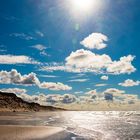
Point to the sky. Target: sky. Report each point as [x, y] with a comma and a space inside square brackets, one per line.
[70, 48]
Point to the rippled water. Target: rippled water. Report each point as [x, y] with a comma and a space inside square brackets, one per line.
[84, 124]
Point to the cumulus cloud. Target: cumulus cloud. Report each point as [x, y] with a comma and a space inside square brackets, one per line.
[129, 83]
[29, 98]
[93, 92]
[112, 93]
[84, 59]
[14, 59]
[130, 98]
[123, 66]
[87, 61]
[78, 80]
[95, 41]
[54, 86]
[68, 98]
[14, 77]
[104, 77]
[93, 95]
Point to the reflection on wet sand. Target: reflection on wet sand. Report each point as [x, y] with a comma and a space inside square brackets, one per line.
[71, 125]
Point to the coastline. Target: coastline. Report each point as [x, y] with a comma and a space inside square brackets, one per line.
[22, 132]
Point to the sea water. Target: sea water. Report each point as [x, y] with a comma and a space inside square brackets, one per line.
[85, 125]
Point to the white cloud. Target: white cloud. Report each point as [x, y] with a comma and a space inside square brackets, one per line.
[60, 100]
[50, 99]
[14, 59]
[104, 77]
[39, 47]
[130, 98]
[28, 98]
[78, 80]
[95, 41]
[111, 94]
[92, 92]
[14, 77]
[54, 86]
[84, 59]
[92, 96]
[53, 67]
[53, 98]
[22, 36]
[40, 33]
[13, 90]
[44, 53]
[78, 75]
[48, 76]
[129, 83]
[68, 98]
[114, 91]
[117, 95]
[87, 61]
[100, 85]
[78, 92]
[123, 66]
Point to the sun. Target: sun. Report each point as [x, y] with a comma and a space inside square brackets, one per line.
[82, 10]
[82, 5]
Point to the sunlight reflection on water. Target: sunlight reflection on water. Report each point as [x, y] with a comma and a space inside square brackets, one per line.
[109, 125]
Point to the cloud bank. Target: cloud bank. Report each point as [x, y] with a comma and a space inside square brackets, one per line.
[92, 97]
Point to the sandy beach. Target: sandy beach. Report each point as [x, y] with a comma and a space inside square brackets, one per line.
[14, 132]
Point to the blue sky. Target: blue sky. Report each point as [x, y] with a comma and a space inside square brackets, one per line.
[59, 27]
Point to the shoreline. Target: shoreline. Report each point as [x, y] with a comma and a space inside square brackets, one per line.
[23, 132]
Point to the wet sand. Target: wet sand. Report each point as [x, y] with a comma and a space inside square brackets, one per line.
[14, 132]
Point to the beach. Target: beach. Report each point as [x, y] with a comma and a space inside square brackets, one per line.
[15, 132]
[70, 125]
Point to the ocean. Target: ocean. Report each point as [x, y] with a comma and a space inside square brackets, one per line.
[83, 125]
